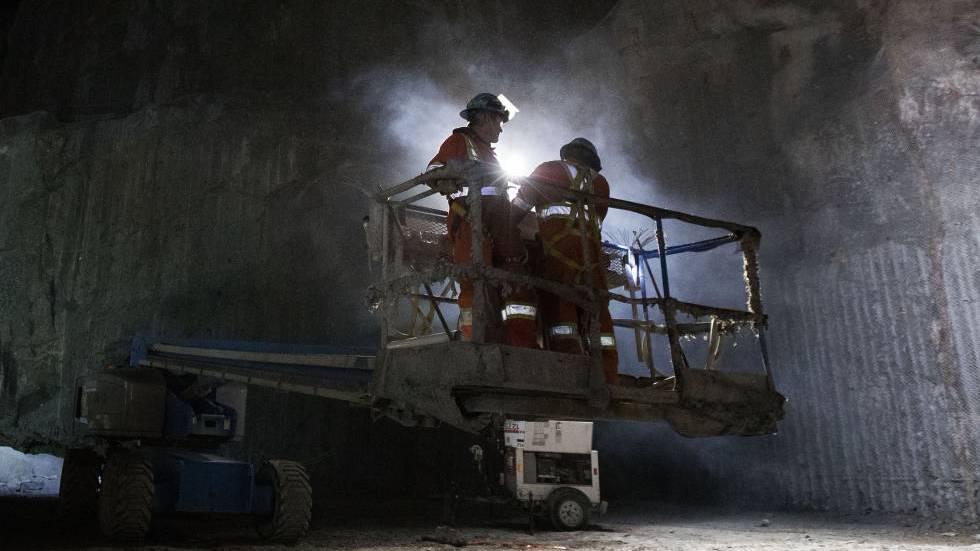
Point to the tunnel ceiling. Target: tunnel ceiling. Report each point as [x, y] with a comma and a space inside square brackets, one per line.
[99, 59]
[198, 170]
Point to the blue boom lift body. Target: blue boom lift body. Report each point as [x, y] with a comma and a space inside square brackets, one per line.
[156, 428]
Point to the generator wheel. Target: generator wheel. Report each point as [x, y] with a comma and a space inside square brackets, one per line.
[126, 502]
[78, 495]
[292, 503]
[569, 509]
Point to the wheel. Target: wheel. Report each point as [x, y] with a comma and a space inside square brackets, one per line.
[126, 502]
[569, 509]
[292, 503]
[78, 496]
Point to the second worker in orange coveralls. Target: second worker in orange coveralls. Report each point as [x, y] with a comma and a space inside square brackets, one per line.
[502, 245]
[561, 224]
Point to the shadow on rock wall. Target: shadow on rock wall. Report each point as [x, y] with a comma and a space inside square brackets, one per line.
[642, 461]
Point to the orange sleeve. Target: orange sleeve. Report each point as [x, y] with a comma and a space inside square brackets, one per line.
[453, 148]
[529, 196]
[550, 172]
[600, 187]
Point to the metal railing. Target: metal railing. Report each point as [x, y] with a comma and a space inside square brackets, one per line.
[414, 262]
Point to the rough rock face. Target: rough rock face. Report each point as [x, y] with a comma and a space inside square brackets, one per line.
[847, 132]
[182, 220]
[194, 170]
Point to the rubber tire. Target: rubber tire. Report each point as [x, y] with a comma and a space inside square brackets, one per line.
[78, 496]
[568, 509]
[292, 505]
[126, 502]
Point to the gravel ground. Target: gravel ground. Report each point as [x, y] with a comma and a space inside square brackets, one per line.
[28, 524]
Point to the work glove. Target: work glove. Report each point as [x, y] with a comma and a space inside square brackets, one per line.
[447, 186]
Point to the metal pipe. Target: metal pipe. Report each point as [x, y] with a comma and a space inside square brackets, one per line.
[632, 300]
[598, 393]
[697, 310]
[677, 359]
[399, 239]
[399, 285]
[765, 358]
[650, 211]
[661, 301]
[443, 173]
[463, 170]
[639, 208]
[385, 275]
[662, 249]
[637, 334]
[434, 213]
[480, 306]
[696, 246]
[647, 340]
[750, 260]
[414, 198]
[682, 328]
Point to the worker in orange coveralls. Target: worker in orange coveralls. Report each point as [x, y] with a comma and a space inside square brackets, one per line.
[560, 226]
[502, 245]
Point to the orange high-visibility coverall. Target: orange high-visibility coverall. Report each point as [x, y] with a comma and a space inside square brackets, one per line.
[560, 227]
[502, 248]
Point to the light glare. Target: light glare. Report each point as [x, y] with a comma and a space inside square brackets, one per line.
[513, 164]
[509, 106]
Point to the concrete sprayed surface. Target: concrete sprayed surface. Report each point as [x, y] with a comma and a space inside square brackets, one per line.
[636, 526]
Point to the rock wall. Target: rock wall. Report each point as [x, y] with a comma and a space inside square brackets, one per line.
[848, 133]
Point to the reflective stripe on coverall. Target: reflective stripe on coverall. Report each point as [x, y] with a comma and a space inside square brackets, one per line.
[560, 227]
[502, 248]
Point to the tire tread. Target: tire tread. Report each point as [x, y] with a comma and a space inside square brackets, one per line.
[126, 503]
[293, 501]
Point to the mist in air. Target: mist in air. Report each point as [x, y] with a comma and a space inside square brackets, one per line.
[416, 110]
[416, 113]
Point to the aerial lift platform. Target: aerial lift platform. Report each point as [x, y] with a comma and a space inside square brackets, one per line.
[426, 372]
[159, 422]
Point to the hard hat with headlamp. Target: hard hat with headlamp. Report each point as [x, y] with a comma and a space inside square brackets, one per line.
[582, 150]
[484, 102]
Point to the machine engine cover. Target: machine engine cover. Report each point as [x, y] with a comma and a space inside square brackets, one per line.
[193, 482]
[122, 402]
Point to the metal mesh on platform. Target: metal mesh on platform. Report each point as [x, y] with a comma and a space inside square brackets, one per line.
[615, 266]
[425, 237]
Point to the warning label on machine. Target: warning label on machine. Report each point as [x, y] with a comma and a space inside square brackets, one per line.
[553, 436]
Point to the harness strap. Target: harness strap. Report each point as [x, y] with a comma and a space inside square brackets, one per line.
[471, 151]
[571, 212]
[457, 201]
